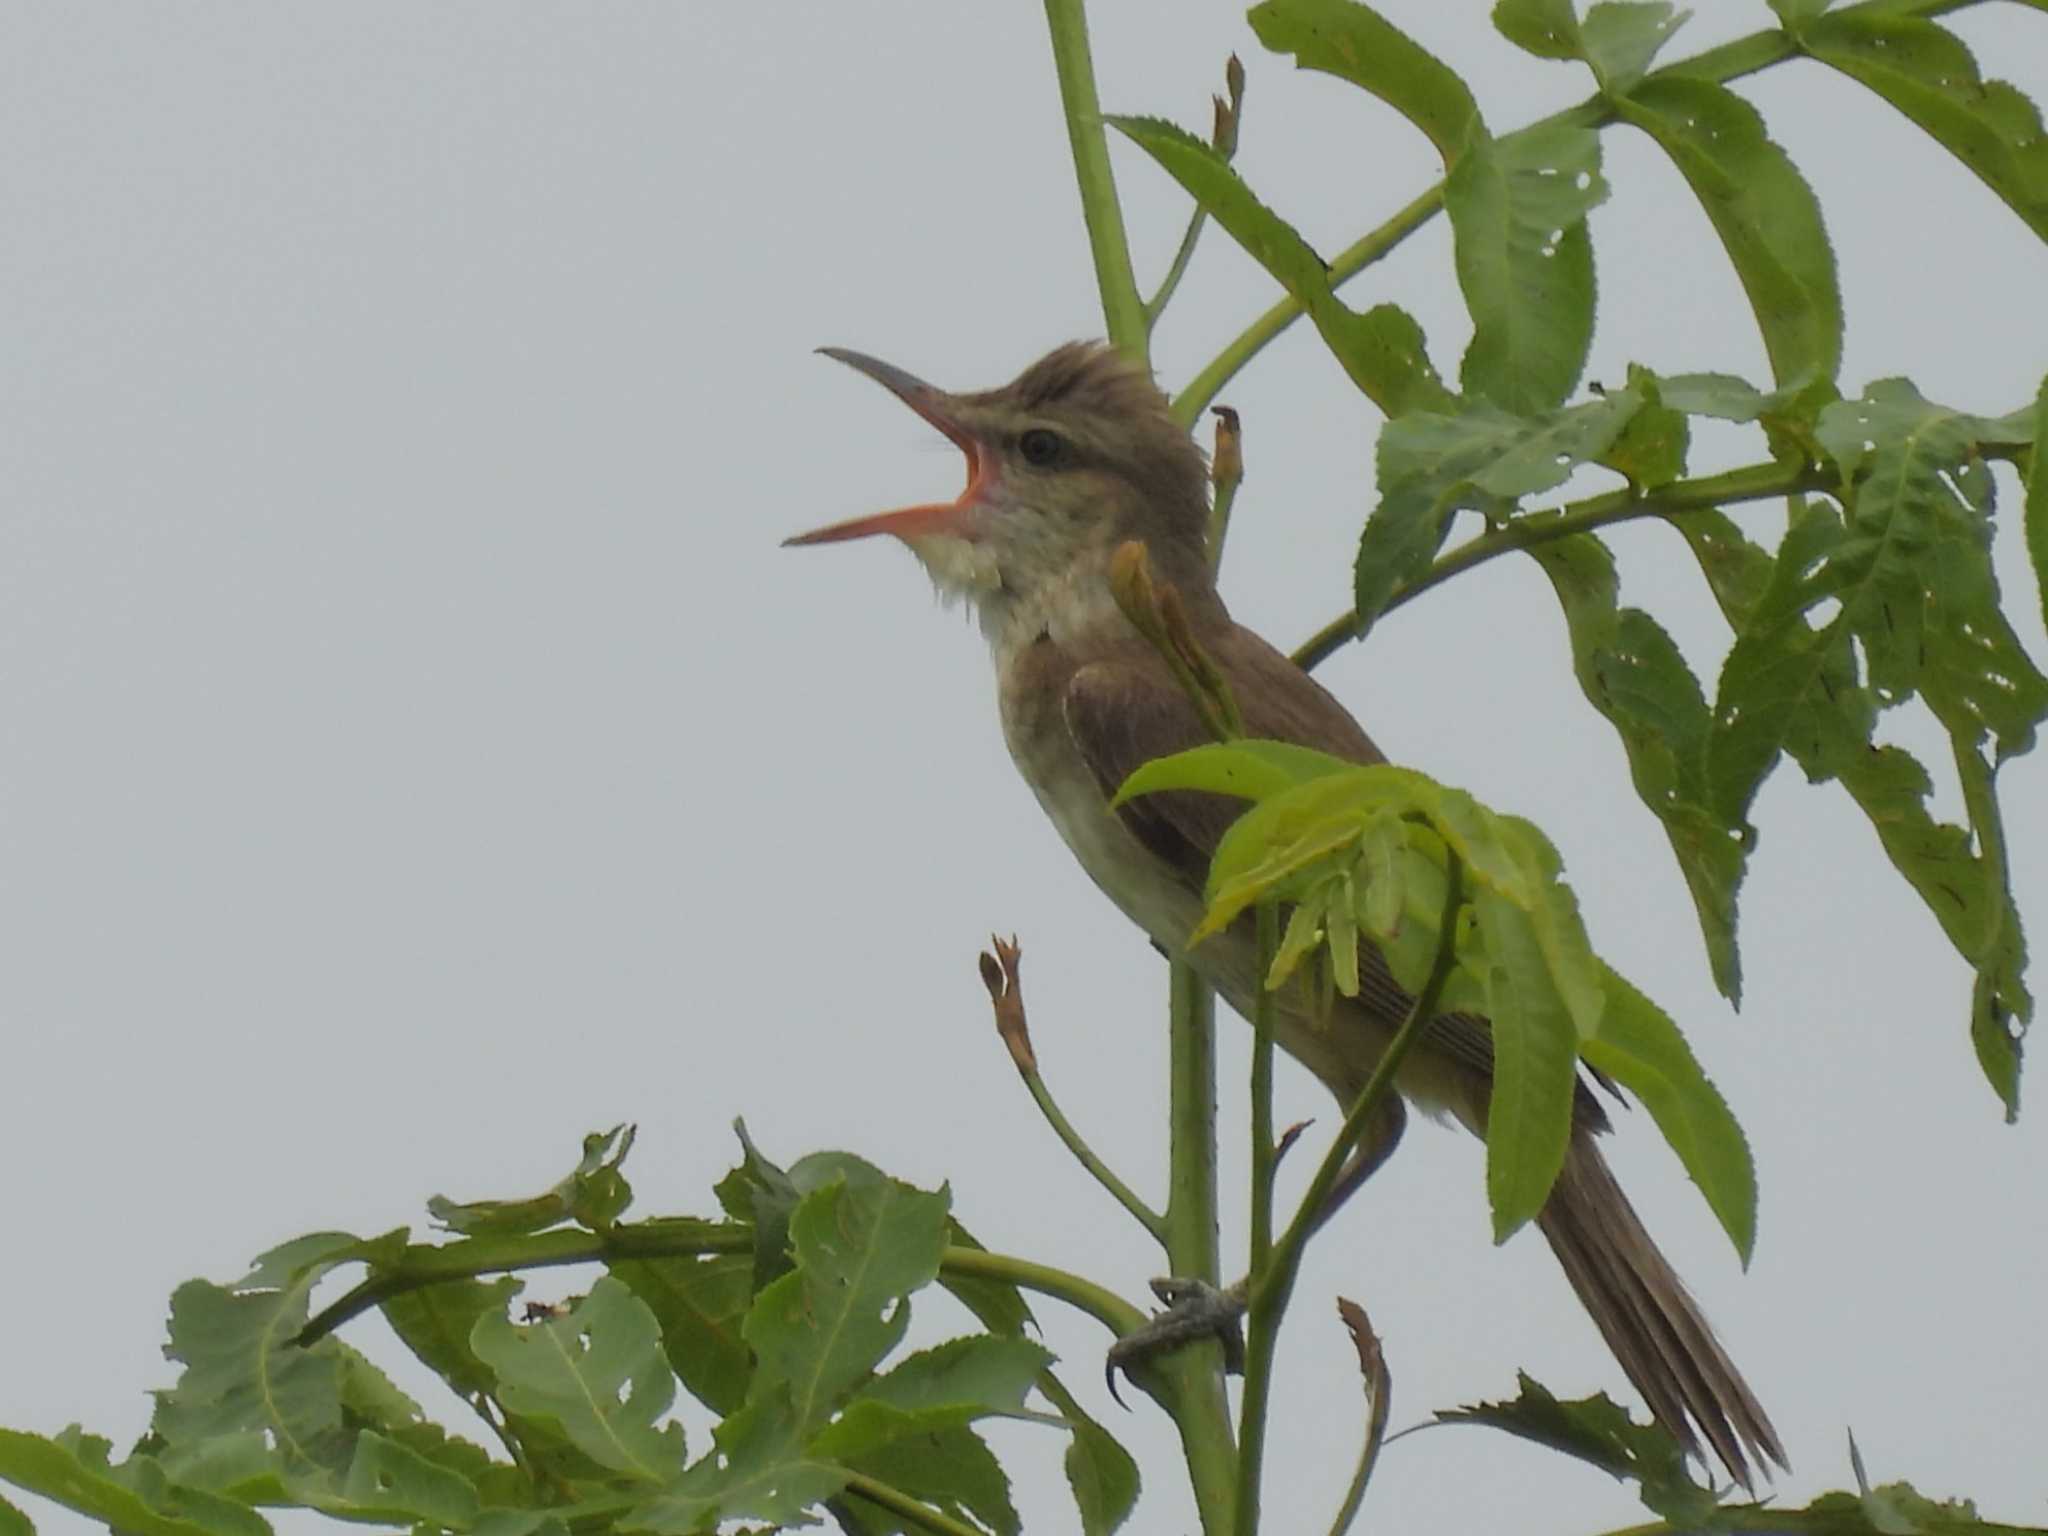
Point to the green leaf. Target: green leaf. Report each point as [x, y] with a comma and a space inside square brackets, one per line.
[1634, 675]
[598, 1372]
[1382, 350]
[1304, 936]
[973, 1376]
[1795, 14]
[386, 1481]
[1651, 450]
[1618, 39]
[1250, 769]
[700, 1304]
[74, 1470]
[1927, 72]
[13, 1522]
[759, 1471]
[436, 1321]
[1102, 1475]
[1432, 465]
[2037, 499]
[1760, 206]
[998, 1305]
[1598, 1431]
[1639, 1047]
[1518, 215]
[860, 1251]
[1355, 43]
[594, 1195]
[948, 1466]
[760, 1192]
[1547, 28]
[1529, 1114]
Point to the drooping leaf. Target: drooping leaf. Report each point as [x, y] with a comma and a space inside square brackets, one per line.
[1760, 206]
[1382, 350]
[1639, 1046]
[1633, 674]
[1927, 72]
[1355, 43]
[1101, 1473]
[74, 1469]
[1598, 1431]
[1525, 262]
[598, 1372]
[860, 1251]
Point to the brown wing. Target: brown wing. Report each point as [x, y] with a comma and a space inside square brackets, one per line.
[1125, 709]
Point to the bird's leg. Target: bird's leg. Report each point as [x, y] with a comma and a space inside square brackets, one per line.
[1196, 1309]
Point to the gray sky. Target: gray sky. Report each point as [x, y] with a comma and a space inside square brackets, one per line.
[415, 750]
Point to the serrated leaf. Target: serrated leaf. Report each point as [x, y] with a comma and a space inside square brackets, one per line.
[435, 1322]
[1547, 28]
[1761, 207]
[1250, 769]
[597, 1372]
[758, 1471]
[74, 1470]
[386, 1481]
[1619, 38]
[1633, 674]
[700, 1304]
[860, 1251]
[1102, 1475]
[1598, 1431]
[1525, 263]
[1382, 350]
[998, 1306]
[1927, 72]
[1535, 1049]
[1355, 43]
[948, 1466]
[1639, 1046]
[1432, 465]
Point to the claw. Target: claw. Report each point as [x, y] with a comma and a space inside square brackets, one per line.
[1195, 1310]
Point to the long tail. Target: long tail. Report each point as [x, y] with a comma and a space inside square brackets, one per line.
[1653, 1326]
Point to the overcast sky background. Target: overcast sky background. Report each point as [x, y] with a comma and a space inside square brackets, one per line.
[415, 750]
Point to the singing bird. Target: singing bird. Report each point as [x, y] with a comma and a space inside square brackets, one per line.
[1076, 456]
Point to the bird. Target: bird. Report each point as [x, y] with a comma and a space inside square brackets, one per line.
[1073, 459]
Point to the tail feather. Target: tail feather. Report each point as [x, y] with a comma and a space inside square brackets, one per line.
[1650, 1322]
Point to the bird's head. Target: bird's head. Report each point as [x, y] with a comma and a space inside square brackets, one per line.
[1075, 456]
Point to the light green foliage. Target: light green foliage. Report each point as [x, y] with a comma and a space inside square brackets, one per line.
[1362, 852]
[1382, 350]
[2037, 500]
[592, 1195]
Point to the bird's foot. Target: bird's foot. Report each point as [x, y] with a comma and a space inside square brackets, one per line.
[1195, 1310]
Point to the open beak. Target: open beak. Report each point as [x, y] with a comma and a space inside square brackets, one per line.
[936, 407]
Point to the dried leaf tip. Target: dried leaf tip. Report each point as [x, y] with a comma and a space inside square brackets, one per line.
[999, 973]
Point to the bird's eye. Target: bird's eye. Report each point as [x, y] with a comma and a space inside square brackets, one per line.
[1041, 447]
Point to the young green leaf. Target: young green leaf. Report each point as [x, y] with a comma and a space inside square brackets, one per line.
[1249, 768]
[1303, 937]
[1525, 262]
[1927, 72]
[1763, 210]
[1355, 43]
[594, 1195]
[1382, 349]
[1639, 1047]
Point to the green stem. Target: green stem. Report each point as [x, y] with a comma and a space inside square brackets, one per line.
[1731, 61]
[1122, 310]
[1086, 1156]
[1752, 482]
[914, 1514]
[1270, 1292]
[1194, 1374]
[426, 1264]
[1265, 1149]
[1156, 305]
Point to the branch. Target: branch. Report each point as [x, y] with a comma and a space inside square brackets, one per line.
[1122, 310]
[1753, 482]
